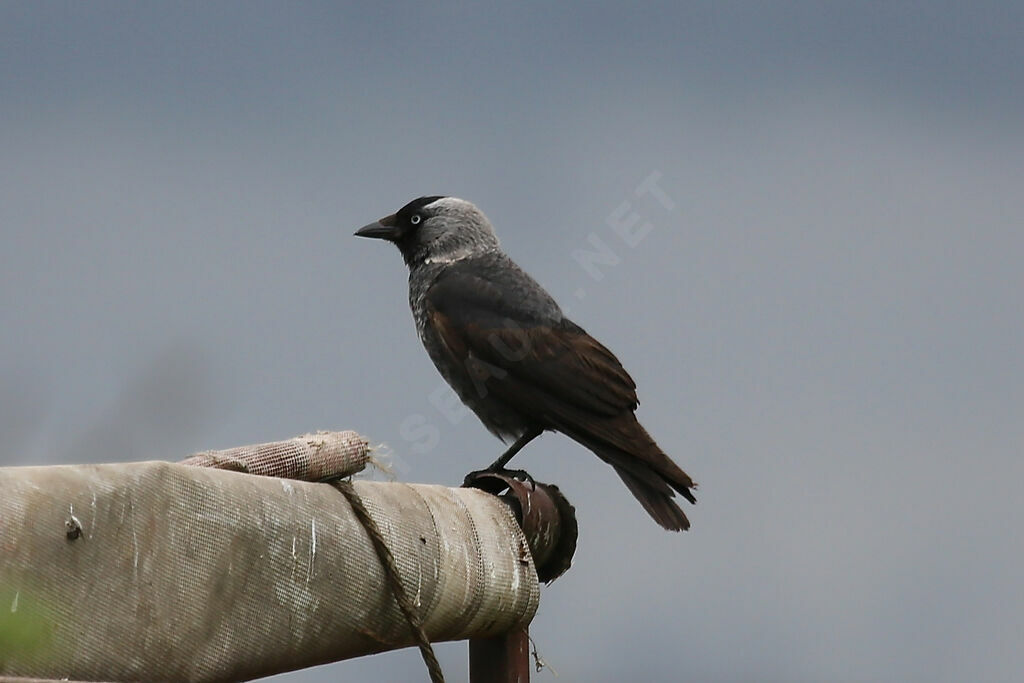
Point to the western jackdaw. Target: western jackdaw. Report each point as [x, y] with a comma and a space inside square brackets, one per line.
[510, 354]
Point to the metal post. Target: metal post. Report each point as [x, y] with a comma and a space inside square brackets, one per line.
[503, 659]
[549, 524]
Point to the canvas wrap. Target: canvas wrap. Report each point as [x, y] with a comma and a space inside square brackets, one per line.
[193, 573]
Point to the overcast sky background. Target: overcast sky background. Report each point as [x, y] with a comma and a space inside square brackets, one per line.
[824, 319]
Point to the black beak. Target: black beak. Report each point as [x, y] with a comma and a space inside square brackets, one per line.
[384, 229]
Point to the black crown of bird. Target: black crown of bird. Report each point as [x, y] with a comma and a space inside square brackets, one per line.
[505, 347]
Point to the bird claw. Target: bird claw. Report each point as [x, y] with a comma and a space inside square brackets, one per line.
[521, 475]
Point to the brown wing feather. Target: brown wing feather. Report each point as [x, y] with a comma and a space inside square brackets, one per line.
[566, 362]
[563, 378]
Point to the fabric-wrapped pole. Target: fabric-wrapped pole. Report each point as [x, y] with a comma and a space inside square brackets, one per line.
[159, 571]
[313, 457]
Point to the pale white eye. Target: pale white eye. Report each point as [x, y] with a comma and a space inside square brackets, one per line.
[416, 218]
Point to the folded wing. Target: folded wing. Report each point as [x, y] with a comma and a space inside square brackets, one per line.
[549, 369]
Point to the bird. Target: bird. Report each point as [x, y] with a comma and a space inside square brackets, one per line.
[512, 356]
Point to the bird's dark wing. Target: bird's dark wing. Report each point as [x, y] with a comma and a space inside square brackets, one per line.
[484, 322]
[512, 343]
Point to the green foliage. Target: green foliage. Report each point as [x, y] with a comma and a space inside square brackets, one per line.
[25, 629]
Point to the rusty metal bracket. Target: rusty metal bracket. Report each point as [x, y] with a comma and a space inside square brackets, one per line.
[544, 513]
[548, 521]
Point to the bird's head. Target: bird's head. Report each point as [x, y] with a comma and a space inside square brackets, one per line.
[435, 229]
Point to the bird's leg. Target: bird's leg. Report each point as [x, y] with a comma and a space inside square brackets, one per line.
[529, 435]
[498, 466]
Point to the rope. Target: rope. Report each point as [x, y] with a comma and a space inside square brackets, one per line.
[391, 569]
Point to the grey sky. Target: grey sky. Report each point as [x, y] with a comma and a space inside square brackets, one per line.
[826, 327]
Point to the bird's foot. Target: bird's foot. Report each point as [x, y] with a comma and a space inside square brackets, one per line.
[521, 475]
